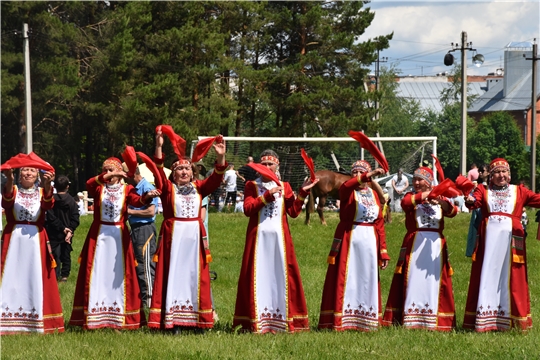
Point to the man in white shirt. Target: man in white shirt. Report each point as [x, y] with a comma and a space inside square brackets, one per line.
[230, 186]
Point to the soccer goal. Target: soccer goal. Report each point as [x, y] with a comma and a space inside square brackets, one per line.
[337, 153]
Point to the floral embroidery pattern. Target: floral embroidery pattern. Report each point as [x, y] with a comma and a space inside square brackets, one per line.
[489, 311]
[105, 308]
[419, 309]
[267, 315]
[360, 311]
[179, 306]
[8, 315]
[428, 216]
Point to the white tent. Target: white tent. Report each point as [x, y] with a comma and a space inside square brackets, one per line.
[147, 174]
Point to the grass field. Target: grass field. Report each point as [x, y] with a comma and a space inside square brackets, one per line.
[227, 235]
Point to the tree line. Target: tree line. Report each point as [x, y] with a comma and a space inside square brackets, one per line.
[105, 74]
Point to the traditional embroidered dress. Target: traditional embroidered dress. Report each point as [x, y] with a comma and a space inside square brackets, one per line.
[352, 296]
[270, 295]
[29, 293]
[107, 291]
[182, 284]
[498, 297]
[421, 293]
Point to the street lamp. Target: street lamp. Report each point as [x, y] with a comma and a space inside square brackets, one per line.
[478, 60]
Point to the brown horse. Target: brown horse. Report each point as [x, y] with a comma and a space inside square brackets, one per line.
[328, 185]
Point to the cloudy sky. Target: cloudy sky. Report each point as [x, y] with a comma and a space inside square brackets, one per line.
[423, 31]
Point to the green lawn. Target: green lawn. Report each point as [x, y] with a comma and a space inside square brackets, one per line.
[227, 232]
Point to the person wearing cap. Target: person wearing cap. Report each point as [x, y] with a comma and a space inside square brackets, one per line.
[421, 295]
[181, 296]
[270, 296]
[500, 255]
[351, 297]
[29, 291]
[107, 293]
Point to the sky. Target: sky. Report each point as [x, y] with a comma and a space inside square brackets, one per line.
[424, 31]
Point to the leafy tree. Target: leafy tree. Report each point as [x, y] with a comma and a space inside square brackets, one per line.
[104, 74]
[497, 135]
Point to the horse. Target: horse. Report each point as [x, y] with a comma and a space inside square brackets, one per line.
[328, 185]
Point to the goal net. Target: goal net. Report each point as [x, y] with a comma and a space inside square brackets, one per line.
[328, 153]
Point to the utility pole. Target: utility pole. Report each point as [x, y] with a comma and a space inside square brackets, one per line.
[463, 157]
[533, 116]
[377, 82]
[27, 90]
[478, 60]
[377, 87]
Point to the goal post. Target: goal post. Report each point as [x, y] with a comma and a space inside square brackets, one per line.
[328, 153]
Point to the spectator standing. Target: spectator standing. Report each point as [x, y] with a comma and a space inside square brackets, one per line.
[143, 236]
[60, 223]
[230, 186]
[239, 204]
[400, 183]
[80, 203]
[473, 174]
[246, 173]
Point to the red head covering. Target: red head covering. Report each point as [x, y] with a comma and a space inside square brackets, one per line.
[424, 173]
[361, 165]
[26, 160]
[115, 163]
[498, 163]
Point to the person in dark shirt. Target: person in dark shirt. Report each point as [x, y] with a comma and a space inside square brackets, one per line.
[60, 223]
[245, 174]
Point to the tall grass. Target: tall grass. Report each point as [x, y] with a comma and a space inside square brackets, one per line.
[312, 243]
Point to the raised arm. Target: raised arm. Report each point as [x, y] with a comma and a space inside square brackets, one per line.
[7, 191]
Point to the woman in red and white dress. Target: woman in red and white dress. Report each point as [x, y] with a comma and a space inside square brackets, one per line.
[421, 295]
[270, 295]
[107, 293]
[181, 297]
[352, 296]
[498, 297]
[30, 300]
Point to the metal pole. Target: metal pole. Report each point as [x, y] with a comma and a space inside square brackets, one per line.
[533, 120]
[463, 158]
[27, 91]
[377, 86]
